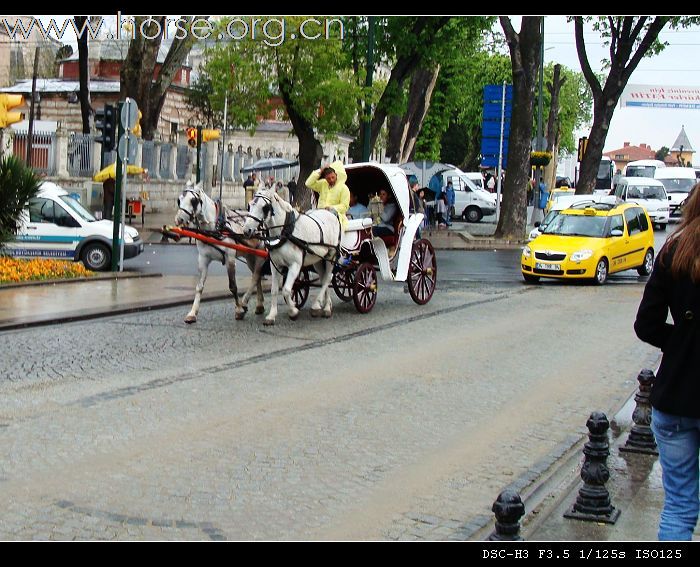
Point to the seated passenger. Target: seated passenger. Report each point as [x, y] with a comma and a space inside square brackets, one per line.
[357, 210]
[386, 224]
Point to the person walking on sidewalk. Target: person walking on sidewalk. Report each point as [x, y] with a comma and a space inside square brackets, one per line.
[675, 285]
[450, 194]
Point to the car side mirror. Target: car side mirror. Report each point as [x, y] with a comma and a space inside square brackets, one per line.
[537, 224]
[669, 197]
[616, 232]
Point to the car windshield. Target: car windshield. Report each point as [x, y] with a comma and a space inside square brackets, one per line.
[650, 192]
[577, 225]
[678, 185]
[82, 212]
[640, 171]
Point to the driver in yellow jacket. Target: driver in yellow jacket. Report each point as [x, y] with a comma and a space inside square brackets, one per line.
[333, 194]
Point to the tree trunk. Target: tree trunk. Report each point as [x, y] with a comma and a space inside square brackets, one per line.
[83, 74]
[553, 133]
[525, 60]
[419, 96]
[310, 149]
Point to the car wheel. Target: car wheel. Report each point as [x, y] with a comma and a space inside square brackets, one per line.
[648, 265]
[472, 214]
[531, 279]
[96, 256]
[601, 272]
[662, 227]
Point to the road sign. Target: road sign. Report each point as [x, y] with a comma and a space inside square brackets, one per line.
[129, 157]
[130, 114]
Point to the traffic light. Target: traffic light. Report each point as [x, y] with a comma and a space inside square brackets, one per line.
[582, 146]
[8, 101]
[106, 125]
[209, 135]
[191, 137]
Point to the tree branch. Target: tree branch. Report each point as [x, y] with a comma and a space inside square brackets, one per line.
[588, 73]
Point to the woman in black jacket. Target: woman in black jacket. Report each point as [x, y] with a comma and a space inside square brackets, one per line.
[675, 285]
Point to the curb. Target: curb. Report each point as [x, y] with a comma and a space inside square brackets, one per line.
[95, 278]
[97, 314]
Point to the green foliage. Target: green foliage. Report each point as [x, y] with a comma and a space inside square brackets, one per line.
[313, 74]
[18, 184]
[662, 153]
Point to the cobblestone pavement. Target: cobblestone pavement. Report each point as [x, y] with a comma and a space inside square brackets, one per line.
[402, 424]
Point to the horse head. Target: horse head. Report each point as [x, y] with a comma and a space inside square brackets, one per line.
[191, 205]
[261, 211]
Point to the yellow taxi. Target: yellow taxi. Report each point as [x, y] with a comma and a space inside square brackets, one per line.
[591, 241]
[556, 194]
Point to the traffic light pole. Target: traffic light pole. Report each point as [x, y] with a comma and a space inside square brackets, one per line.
[199, 153]
[116, 231]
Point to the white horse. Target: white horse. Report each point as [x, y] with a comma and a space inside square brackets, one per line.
[196, 208]
[295, 240]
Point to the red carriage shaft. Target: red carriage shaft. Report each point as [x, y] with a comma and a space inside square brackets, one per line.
[214, 241]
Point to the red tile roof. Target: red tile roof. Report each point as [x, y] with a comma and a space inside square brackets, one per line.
[631, 153]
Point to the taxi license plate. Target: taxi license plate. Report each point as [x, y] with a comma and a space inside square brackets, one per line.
[552, 267]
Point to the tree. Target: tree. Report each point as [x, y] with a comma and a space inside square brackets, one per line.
[311, 78]
[662, 153]
[18, 184]
[630, 39]
[83, 73]
[525, 60]
[138, 74]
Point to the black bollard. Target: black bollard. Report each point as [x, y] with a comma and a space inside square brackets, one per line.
[641, 437]
[508, 508]
[593, 500]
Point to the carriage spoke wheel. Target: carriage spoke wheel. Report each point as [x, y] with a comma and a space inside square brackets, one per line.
[364, 290]
[422, 272]
[300, 289]
[344, 282]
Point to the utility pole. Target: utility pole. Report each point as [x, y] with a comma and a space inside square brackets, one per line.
[368, 85]
[30, 133]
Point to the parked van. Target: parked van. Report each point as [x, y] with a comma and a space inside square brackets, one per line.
[678, 182]
[643, 168]
[477, 179]
[55, 225]
[471, 203]
[649, 193]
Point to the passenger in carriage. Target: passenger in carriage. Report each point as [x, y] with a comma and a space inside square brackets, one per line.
[357, 210]
[388, 216]
[333, 194]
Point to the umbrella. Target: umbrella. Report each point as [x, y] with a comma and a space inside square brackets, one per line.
[267, 164]
[428, 193]
[110, 172]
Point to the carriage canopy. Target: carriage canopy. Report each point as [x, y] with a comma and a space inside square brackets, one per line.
[366, 179]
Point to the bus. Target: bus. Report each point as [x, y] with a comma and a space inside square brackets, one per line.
[643, 168]
[605, 177]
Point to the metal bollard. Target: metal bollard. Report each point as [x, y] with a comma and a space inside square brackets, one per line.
[508, 508]
[641, 437]
[593, 500]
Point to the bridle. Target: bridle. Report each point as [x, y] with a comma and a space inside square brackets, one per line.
[195, 202]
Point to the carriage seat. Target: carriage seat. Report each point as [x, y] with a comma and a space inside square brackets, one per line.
[358, 224]
[392, 240]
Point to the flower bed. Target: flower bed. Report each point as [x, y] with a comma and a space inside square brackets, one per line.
[16, 270]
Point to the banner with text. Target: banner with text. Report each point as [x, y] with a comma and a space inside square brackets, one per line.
[660, 96]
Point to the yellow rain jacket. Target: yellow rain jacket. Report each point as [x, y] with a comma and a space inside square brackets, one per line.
[336, 197]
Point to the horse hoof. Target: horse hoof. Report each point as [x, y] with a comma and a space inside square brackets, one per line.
[269, 322]
[294, 317]
[190, 319]
[327, 314]
[240, 315]
[316, 312]
[260, 309]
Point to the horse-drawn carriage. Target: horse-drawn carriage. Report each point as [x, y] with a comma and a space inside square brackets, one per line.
[398, 258]
[309, 249]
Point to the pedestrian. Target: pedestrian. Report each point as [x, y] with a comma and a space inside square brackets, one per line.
[450, 195]
[292, 186]
[282, 191]
[251, 185]
[108, 188]
[441, 210]
[491, 184]
[674, 285]
[544, 196]
[530, 192]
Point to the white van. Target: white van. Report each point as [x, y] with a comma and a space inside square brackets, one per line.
[649, 193]
[643, 168]
[54, 225]
[678, 182]
[477, 179]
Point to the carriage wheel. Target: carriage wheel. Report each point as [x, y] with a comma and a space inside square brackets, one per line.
[300, 289]
[344, 282]
[422, 272]
[364, 290]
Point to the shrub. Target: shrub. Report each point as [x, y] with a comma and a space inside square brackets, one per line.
[18, 184]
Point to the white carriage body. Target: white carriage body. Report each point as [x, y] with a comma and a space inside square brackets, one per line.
[366, 179]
